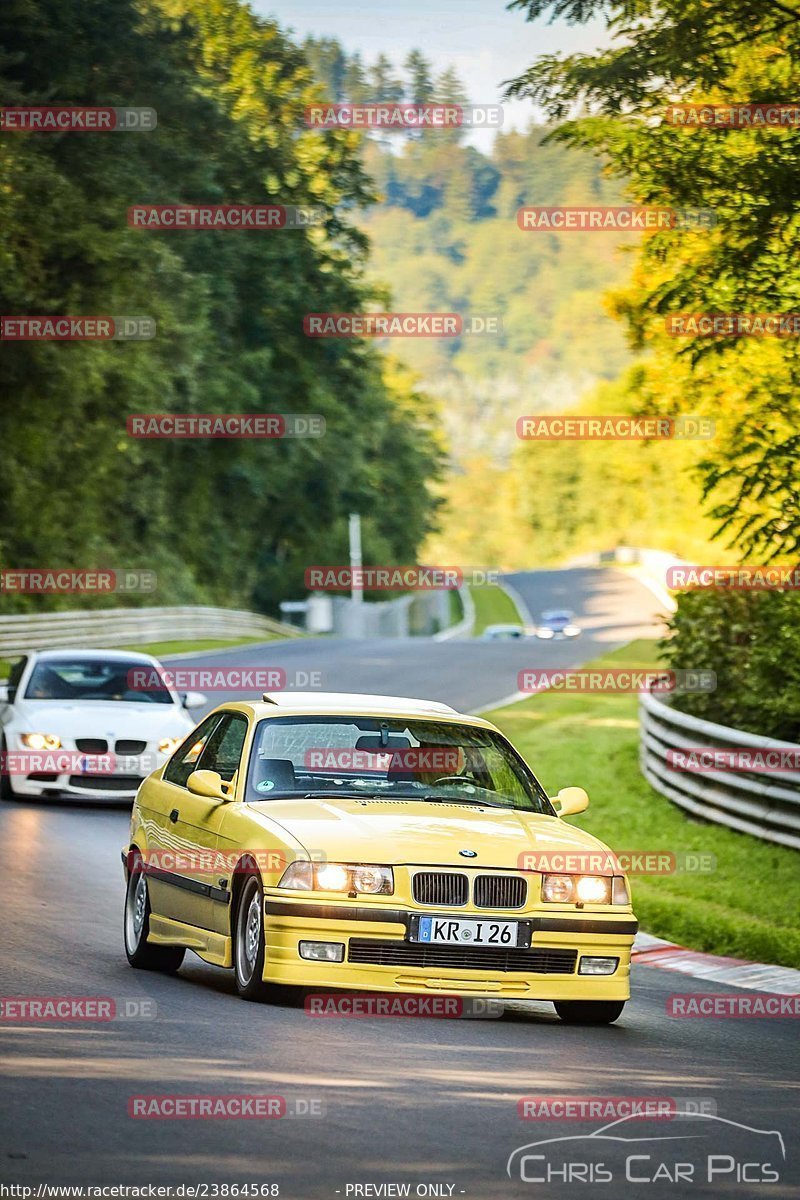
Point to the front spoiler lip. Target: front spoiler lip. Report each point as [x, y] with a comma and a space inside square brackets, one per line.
[398, 916]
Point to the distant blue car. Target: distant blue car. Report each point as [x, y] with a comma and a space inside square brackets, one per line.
[557, 623]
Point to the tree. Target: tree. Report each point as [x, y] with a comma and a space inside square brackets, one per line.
[419, 89]
[385, 84]
[711, 52]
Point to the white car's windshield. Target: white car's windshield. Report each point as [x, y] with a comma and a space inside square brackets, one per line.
[95, 679]
[429, 760]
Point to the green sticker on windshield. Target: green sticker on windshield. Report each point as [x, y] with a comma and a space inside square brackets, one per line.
[266, 785]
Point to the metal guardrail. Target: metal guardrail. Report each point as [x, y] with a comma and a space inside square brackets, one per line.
[743, 801]
[132, 626]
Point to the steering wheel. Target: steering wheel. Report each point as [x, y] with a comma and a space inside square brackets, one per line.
[457, 779]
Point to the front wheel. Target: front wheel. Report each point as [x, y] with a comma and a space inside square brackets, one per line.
[137, 926]
[6, 790]
[248, 942]
[589, 1012]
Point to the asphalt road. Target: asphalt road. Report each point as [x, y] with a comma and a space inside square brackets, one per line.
[407, 1102]
[610, 607]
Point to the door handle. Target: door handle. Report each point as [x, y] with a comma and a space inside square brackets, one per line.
[173, 816]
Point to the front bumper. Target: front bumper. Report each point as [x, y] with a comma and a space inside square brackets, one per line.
[65, 787]
[548, 972]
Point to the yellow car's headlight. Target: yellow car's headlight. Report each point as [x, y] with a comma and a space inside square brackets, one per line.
[584, 889]
[339, 877]
[41, 741]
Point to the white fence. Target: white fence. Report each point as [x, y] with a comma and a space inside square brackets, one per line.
[765, 805]
[132, 627]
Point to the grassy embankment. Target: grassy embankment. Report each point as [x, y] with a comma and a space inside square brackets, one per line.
[747, 907]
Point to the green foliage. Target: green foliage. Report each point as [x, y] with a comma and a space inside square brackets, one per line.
[493, 606]
[752, 641]
[220, 521]
[688, 51]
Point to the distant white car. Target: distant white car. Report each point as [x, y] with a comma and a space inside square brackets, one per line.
[502, 633]
[77, 723]
[557, 623]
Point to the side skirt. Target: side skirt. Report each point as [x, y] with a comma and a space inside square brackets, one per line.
[214, 948]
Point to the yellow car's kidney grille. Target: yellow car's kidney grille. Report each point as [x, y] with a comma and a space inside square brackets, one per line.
[500, 891]
[441, 888]
[477, 958]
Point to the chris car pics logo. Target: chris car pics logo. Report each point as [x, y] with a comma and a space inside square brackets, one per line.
[697, 1149]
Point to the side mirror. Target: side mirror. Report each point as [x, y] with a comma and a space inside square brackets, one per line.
[193, 699]
[570, 800]
[206, 783]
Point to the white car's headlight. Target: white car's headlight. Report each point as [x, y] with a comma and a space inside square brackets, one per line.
[167, 745]
[339, 877]
[545, 633]
[41, 741]
[584, 889]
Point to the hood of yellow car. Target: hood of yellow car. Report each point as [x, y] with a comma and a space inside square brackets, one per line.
[398, 832]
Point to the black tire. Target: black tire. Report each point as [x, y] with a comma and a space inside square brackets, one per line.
[6, 790]
[248, 941]
[589, 1012]
[136, 926]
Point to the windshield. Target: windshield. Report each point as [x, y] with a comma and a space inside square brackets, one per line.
[94, 679]
[429, 760]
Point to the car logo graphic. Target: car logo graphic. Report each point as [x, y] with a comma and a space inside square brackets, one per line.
[468, 853]
[613, 1131]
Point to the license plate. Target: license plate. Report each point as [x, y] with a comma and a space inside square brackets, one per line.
[459, 931]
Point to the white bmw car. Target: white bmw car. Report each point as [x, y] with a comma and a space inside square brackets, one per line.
[87, 724]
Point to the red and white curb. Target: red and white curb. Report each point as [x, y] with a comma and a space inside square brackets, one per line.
[649, 951]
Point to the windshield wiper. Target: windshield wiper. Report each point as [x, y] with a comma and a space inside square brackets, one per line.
[462, 800]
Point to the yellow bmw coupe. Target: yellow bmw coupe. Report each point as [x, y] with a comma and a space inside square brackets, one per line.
[373, 843]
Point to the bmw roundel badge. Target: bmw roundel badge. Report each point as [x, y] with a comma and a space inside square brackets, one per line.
[468, 853]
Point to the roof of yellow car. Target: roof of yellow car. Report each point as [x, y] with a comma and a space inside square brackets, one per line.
[321, 703]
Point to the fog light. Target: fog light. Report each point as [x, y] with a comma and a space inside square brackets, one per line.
[324, 951]
[598, 966]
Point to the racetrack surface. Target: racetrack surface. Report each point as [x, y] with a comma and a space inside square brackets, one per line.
[407, 1101]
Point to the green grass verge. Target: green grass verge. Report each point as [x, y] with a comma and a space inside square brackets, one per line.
[160, 649]
[746, 908]
[493, 606]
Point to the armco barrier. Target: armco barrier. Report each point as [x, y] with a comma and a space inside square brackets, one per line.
[132, 626]
[765, 805]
